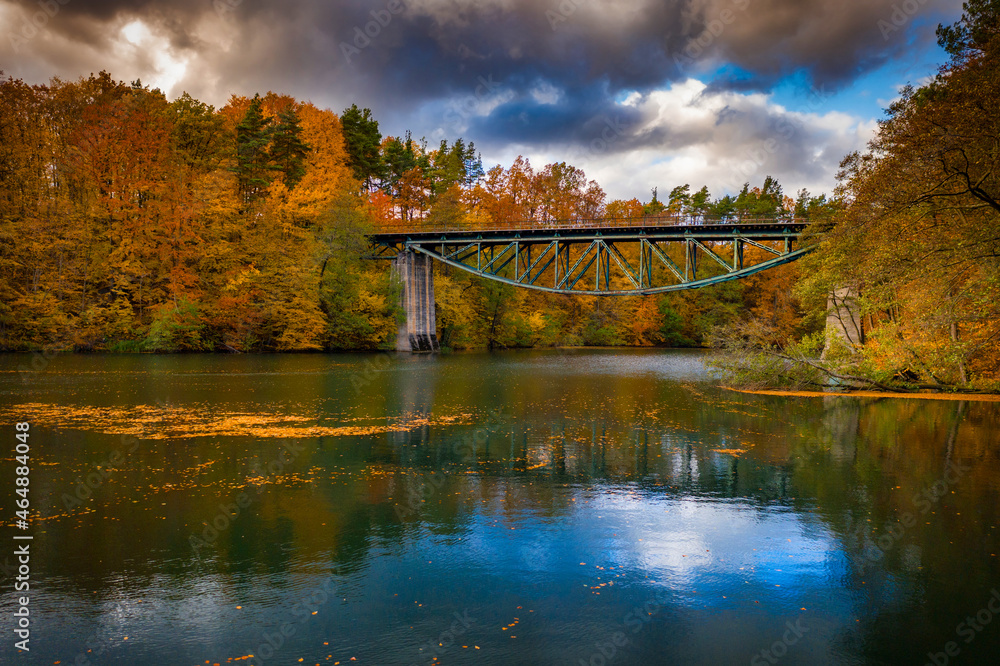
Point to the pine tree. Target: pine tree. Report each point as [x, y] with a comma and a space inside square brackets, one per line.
[655, 206]
[252, 159]
[363, 139]
[288, 151]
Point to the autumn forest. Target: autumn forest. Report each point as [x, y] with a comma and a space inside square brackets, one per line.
[130, 222]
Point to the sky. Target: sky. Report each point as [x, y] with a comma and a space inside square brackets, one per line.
[638, 93]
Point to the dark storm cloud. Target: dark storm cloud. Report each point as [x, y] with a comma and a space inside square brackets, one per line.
[560, 67]
[577, 115]
[431, 48]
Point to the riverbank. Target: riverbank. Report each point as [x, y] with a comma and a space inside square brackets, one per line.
[978, 397]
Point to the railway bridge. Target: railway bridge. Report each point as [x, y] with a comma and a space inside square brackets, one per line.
[601, 257]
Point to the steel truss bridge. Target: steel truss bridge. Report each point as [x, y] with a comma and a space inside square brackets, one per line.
[604, 257]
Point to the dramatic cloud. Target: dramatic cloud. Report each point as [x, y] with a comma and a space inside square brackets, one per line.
[690, 134]
[541, 75]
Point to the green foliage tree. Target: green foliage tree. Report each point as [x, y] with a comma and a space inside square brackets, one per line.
[701, 203]
[359, 301]
[655, 206]
[680, 200]
[363, 140]
[972, 35]
[288, 151]
[198, 134]
[253, 163]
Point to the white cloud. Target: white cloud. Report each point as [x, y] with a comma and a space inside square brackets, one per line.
[686, 134]
[152, 55]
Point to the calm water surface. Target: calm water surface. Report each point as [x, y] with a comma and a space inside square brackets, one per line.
[591, 507]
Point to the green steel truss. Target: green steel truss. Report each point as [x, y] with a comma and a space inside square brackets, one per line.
[608, 260]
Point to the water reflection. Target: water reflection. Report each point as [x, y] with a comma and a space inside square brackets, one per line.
[543, 497]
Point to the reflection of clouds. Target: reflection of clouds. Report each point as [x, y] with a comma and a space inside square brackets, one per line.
[678, 364]
[678, 551]
[536, 556]
[692, 542]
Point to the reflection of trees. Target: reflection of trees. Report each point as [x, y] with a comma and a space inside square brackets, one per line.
[844, 461]
[868, 468]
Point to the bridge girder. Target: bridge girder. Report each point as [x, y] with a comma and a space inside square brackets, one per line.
[561, 260]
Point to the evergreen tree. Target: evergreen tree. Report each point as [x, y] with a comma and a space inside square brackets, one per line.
[743, 206]
[724, 208]
[979, 25]
[680, 199]
[399, 157]
[288, 150]
[701, 203]
[473, 165]
[457, 165]
[252, 159]
[448, 166]
[363, 140]
[654, 207]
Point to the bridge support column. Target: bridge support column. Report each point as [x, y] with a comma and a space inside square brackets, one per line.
[419, 332]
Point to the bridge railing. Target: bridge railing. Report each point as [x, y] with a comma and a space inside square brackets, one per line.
[427, 226]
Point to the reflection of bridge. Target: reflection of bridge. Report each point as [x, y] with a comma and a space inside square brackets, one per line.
[628, 257]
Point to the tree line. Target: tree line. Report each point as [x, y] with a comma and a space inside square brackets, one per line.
[915, 244]
[129, 222]
[133, 223]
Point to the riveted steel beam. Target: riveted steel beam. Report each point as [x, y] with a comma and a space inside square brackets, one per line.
[569, 255]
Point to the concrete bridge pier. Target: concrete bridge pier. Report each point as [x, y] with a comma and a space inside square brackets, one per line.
[419, 333]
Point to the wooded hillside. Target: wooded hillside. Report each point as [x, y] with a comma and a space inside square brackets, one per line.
[129, 222]
[134, 223]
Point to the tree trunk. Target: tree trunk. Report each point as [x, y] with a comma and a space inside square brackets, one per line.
[962, 374]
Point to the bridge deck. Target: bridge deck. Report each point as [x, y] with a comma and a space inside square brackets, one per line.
[617, 257]
[542, 231]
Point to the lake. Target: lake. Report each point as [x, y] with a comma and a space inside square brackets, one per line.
[524, 507]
